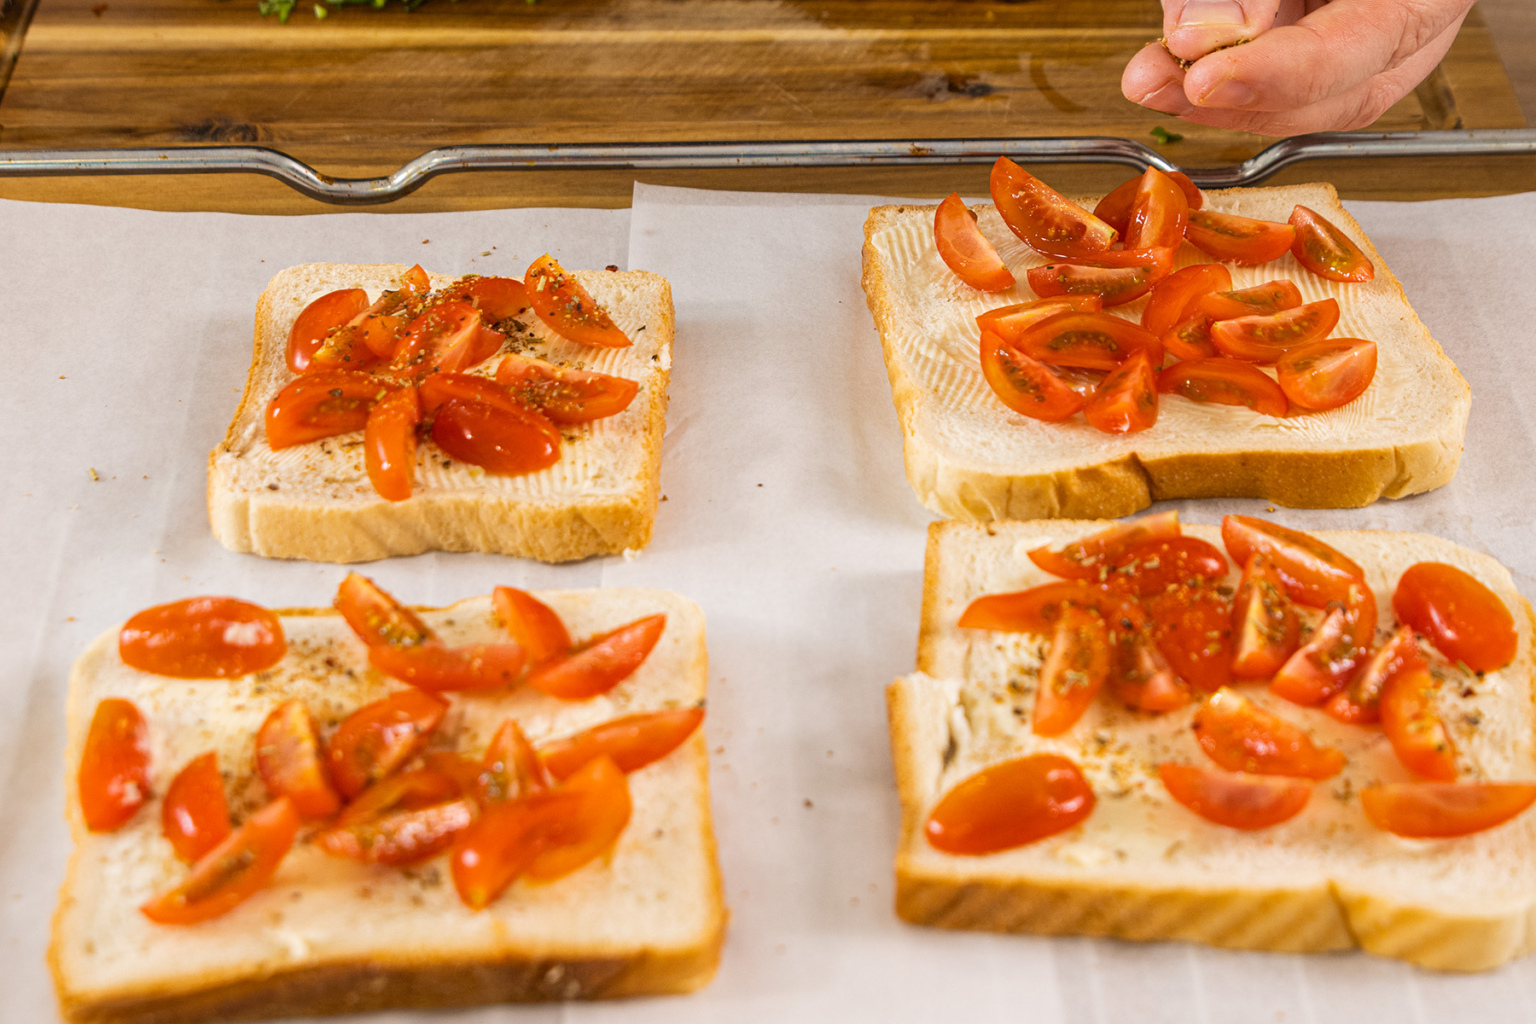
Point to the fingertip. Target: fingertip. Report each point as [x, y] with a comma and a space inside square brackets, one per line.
[1152, 79]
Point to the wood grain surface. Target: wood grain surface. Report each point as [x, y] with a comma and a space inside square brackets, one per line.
[361, 92]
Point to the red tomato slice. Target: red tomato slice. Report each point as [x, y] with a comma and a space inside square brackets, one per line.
[1174, 297]
[114, 767]
[1035, 211]
[1115, 208]
[534, 625]
[289, 761]
[1190, 338]
[1241, 801]
[498, 298]
[1038, 609]
[1160, 259]
[322, 404]
[1413, 726]
[376, 617]
[567, 309]
[401, 820]
[1026, 385]
[595, 826]
[1010, 804]
[965, 250]
[1140, 675]
[1074, 672]
[416, 280]
[1114, 286]
[1463, 618]
[633, 741]
[1010, 322]
[378, 738]
[1359, 703]
[203, 638]
[1314, 573]
[507, 441]
[332, 309]
[1264, 339]
[599, 664]
[1192, 628]
[1323, 665]
[1260, 300]
[389, 444]
[449, 337]
[1429, 810]
[1092, 341]
[1326, 251]
[1091, 557]
[1226, 382]
[1240, 736]
[435, 667]
[195, 814]
[564, 395]
[1264, 624]
[1158, 213]
[1234, 239]
[231, 872]
[1159, 564]
[1327, 374]
[379, 327]
[496, 849]
[1126, 401]
[441, 388]
[347, 347]
[510, 768]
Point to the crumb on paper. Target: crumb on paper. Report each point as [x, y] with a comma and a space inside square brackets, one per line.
[630, 554]
[809, 805]
[424, 241]
[94, 477]
[1269, 508]
[612, 267]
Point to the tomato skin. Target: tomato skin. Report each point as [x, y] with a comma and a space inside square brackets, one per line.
[1359, 703]
[1236, 800]
[1264, 339]
[511, 768]
[1158, 214]
[1010, 322]
[113, 781]
[1074, 672]
[332, 309]
[1090, 557]
[1115, 208]
[290, 763]
[1173, 296]
[378, 738]
[320, 405]
[1463, 618]
[1428, 810]
[595, 826]
[1326, 251]
[1091, 341]
[435, 667]
[1114, 285]
[1328, 660]
[965, 250]
[1126, 401]
[1190, 338]
[1010, 804]
[1155, 565]
[449, 337]
[1264, 624]
[1413, 726]
[389, 444]
[601, 663]
[231, 872]
[203, 638]
[401, 820]
[1038, 609]
[1327, 374]
[1140, 675]
[508, 441]
[1260, 300]
[567, 309]
[491, 854]
[376, 617]
[534, 625]
[194, 816]
[1224, 381]
[1314, 573]
[1024, 384]
[498, 298]
[1035, 211]
[1242, 737]
[1192, 629]
[565, 395]
[1234, 239]
[632, 742]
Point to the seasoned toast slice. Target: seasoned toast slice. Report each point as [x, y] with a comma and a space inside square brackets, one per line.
[1143, 867]
[314, 501]
[330, 935]
[969, 457]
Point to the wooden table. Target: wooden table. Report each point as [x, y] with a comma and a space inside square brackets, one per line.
[361, 92]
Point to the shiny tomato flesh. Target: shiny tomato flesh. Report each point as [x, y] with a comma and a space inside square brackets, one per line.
[1359, 703]
[534, 625]
[441, 388]
[595, 826]
[1327, 374]
[203, 638]
[1240, 801]
[1024, 384]
[376, 617]
[498, 298]
[389, 444]
[565, 395]
[1113, 285]
[1035, 211]
[1038, 609]
[194, 815]
[511, 767]
[332, 309]
[1173, 296]
[1090, 557]
[633, 741]
[376, 739]
[499, 440]
[493, 852]
[1326, 251]
[401, 820]
[1158, 213]
[965, 250]
[1264, 339]
[1226, 382]
[1260, 300]
[346, 347]
[1234, 239]
[1265, 629]
[1010, 322]
[566, 307]
[449, 337]
[1140, 675]
[1074, 672]
[437, 667]
[1313, 572]
[113, 781]
[1324, 665]
[1126, 401]
[599, 664]
[1429, 810]
[1115, 208]
[1192, 628]
[1090, 341]
[1418, 736]
[1240, 736]
[1010, 804]
[1154, 565]
[290, 762]
[416, 280]
[231, 872]
[380, 326]
[1463, 618]
[1190, 338]
[320, 405]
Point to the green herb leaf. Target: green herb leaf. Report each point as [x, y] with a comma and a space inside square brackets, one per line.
[1163, 136]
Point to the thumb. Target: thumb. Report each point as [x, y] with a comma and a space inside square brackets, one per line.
[1193, 28]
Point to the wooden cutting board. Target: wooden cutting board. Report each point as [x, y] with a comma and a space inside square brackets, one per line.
[360, 92]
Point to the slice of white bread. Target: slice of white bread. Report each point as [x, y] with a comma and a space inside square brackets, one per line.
[1142, 866]
[314, 501]
[969, 457]
[330, 935]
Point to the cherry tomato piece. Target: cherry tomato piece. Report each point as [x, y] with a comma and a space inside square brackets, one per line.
[1240, 736]
[511, 768]
[346, 347]
[231, 872]
[1359, 703]
[1264, 339]
[1158, 213]
[1234, 239]
[1324, 665]
[436, 667]
[1140, 675]
[290, 763]
[401, 820]
[203, 638]
[1192, 628]
[491, 854]
[509, 441]
[1090, 557]
[1024, 384]
[534, 625]
[1113, 285]
[330, 310]
[1126, 401]
[416, 280]
[1429, 810]
[1158, 564]
[1010, 804]
[1190, 338]
[565, 395]
[1074, 672]
[599, 664]
[389, 444]
[1327, 374]
[1260, 300]
[498, 298]
[376, 739]
[320, 405]
[1035, 211]
[1463, 618]
[1010, 322]
[1264, 624]
[965, 250]
[449, 337]
[1115, 208]
[567, 309]
[1038, 609]
[1236, 800]
[633, 741]
[376, 617]
[1225, 382]
[1092, 341]
[593, 828]
[114, 766]
[1314, 573]
[1413, 726]
[195, 813]
[1326, 251]
[1173, 297]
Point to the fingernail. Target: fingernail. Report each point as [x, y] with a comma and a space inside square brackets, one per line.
[1212, 14]
[1229, 93]
[1167, 99]
[1206, 25]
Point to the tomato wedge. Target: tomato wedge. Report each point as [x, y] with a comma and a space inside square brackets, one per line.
[1009, 322]
[1226, 382]
[1035, 211]
[1413, 726]
[401, 820]
[511, 440]
[231, 872]
[567, 309]
[499, 298]
[491, 854]
[1158, 564]
[203, 638]
[1429, 810]
[435, 667]
[1463, 618]
[510, 768]
[1260, 300]
[1314, 573]
[1115, 208]
[330, 310]
[1240, 736]
[534, 625]
[1010, 804]
[379, 327]
[965, 250]
[1126, 401]
[449, 337]
[633, 741]
[1192, 628]
[376, 617]
[1327, 374]
[1174, 297]
[1024, 384]
[1074, 672]
[320, 405]
[289, 761]
[1236, 800]
[1264, 339]
[1113, 285]
[1091, 557]
[378, 738]
[595, 826]
[195, 813]
[1190, 338]
[114, 767]
[1038, 609]
[1234, 239]
[1140, 675]
[1158, 213]
[1326, 251]
[565, 395]
[599, 664]
[1324, 665]
[389, 444]
[347, 347]
[1264, 624]
[416, 280]
[1359, 703]
[1092, 341]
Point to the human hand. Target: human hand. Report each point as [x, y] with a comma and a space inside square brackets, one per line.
[1310, 65]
